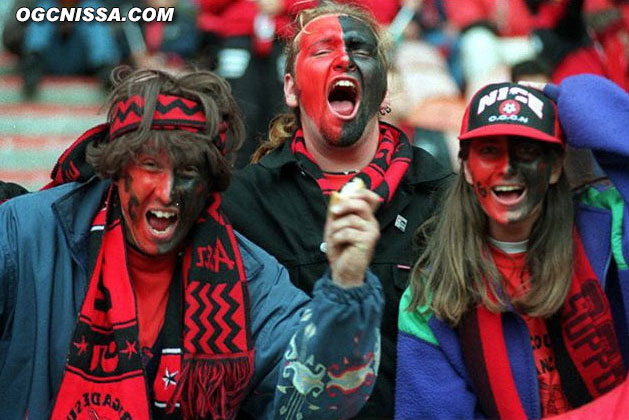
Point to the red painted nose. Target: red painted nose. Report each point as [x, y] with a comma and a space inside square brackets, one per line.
[344, 63]
[163, 189]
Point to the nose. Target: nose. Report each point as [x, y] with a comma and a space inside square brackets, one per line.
[344, 62]
[509, 167]
[164, 188]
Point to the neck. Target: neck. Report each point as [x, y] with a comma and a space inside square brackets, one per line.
[332, 158]
[138, 261]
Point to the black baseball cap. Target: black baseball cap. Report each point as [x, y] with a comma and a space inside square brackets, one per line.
[510, 109]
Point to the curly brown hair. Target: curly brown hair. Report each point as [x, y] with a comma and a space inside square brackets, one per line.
[284, 125]
[212, 92]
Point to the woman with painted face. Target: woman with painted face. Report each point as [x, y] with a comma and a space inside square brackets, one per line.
[514, 309]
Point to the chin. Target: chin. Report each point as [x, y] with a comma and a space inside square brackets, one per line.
[349, 137]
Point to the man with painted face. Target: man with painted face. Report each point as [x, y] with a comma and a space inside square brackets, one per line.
[179, 316]
[336, 87]
[518, 306]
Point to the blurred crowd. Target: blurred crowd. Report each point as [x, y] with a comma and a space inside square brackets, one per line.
[444, 51]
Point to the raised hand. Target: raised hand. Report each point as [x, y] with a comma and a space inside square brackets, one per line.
[351, 233]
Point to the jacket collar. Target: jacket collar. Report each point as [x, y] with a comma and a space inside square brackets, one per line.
[75, 211]
[417, 173]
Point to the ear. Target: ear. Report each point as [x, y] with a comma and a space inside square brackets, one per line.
[468, 174]
[290, 91]
[555, 171]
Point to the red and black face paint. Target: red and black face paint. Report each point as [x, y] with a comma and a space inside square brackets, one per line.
[161, 197]
[161, 200]
[339, 77]
[510, 176]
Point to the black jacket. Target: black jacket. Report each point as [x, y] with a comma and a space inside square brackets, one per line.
[281, 208]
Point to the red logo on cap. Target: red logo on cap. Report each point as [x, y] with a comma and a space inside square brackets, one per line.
[509, 107]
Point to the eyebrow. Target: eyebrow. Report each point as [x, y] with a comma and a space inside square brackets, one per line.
[325, 41]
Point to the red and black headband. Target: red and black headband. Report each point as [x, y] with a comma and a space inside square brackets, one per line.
[171, 113]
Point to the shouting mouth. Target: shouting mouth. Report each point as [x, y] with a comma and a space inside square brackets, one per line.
[509, 195]
[161, 223]
[344, 98]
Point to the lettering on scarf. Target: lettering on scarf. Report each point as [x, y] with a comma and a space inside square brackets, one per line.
[98, 406]
[211, 257]
[590, 332]
[97, 353]
[545, 363]
[105, 357]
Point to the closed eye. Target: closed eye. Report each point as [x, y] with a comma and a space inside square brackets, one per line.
[149, 164]
[528, 151]
[190, 171]
[489, 150]
[318, 53]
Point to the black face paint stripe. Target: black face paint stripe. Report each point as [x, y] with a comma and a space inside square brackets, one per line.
[369, 71]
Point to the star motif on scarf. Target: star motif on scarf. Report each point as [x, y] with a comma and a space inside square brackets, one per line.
[130, 349]
[169, 378]
[81, 345]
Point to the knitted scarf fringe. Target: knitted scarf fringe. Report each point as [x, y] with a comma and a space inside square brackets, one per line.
[215, 388]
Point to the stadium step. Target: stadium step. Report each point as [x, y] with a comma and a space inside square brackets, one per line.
[33, 134]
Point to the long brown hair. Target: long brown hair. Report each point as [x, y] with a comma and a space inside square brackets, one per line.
[204, 87]
[283, 126]
[456, 272]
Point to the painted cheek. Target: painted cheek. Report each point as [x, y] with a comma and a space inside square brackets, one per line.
[128, 200]
[536, 176]
[191, 193]
[132, 214]
[312, 73]
[482, 173]
[310, 95]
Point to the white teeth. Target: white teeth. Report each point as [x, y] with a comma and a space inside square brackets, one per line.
[507, 188]
[162, 214]
[345, 83]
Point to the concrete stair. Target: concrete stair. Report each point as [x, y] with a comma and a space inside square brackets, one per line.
[33, 134]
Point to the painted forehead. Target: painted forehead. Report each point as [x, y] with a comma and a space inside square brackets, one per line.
[178, 154]
[330, 25]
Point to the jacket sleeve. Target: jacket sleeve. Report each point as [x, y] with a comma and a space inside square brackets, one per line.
[8, 273]
[316, 358]
[428, 385]
[594, 114]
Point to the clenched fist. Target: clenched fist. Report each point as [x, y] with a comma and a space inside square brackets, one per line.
[351, 233]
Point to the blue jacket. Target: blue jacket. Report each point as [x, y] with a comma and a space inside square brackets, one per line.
[432, 380]
[43, 260]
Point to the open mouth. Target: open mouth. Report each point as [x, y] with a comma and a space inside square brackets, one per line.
[343, 98]
[160, 222]
[508, 194]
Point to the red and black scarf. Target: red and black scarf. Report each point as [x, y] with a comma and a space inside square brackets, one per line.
[382, 175]
[584, 342]
[206, 368]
